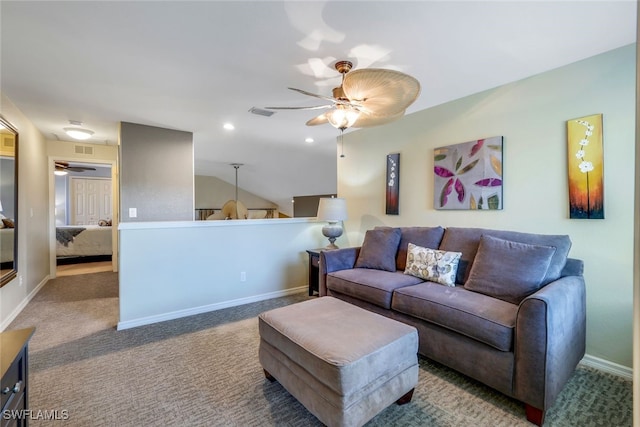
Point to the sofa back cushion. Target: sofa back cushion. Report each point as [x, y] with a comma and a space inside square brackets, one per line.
[379, 249]
[427, 237]
[508, 270]
[467, 240]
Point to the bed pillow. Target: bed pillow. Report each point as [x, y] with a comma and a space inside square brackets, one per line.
[8, 223]
[432, 265]
[379, 249]
[508, 270]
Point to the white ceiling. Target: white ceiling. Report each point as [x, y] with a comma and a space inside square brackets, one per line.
[193, 66]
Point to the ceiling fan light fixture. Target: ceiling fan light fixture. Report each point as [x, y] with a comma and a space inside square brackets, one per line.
[342, 117]
[60, 172]
[79, 133]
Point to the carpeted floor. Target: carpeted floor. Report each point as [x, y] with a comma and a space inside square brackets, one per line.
[203, 371]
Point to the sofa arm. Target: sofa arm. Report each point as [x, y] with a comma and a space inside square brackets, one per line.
[550, 340]
[573, 267]
[335, 260]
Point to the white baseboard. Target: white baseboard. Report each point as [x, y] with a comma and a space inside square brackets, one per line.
[607, 366]
[206, 308]
[23, 304]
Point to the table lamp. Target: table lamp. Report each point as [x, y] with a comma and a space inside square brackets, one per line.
[333, 210]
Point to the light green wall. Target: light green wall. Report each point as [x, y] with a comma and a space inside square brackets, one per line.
[531, 115]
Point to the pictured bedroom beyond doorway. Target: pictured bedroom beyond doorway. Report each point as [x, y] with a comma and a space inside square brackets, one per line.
[83, 213]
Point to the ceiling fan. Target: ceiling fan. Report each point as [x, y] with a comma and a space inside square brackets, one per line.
[366, 97]
[65, 167]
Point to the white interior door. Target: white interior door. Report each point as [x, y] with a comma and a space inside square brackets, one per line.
[91, 200]
[105, 207]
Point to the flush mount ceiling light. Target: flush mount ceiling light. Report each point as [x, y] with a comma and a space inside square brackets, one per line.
[79, 133]
[229, 126]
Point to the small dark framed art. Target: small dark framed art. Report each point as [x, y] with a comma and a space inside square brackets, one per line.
[393, 184]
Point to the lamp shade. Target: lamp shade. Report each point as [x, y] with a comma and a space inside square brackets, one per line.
[332, 209]
[342, 117]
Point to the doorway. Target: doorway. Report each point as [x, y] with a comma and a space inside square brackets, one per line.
[83, 232]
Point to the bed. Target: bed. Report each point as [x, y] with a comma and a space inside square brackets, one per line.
[6, 245]
[83, 240]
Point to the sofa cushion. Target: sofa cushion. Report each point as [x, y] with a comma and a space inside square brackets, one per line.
[427, 237]
[432, 264]
[379, 249]
[373, 286]
[466, 240]
[508, 270]
[483, 318]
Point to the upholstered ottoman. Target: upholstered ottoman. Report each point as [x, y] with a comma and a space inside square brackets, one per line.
[343, 363]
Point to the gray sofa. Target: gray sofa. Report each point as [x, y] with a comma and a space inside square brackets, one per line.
[512, 316]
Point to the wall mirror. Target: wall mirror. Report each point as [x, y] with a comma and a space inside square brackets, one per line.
[8, 202]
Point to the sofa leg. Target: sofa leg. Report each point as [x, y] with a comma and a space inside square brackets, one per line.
[406, 398]
[268, 376]
[534, 415]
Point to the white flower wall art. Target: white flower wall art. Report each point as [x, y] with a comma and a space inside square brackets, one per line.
[586, 167]
[392, 192]
[469, 175]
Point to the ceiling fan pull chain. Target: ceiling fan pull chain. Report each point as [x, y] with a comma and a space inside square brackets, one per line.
[341, 143]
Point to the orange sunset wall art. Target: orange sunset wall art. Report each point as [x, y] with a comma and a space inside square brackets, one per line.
[585, 167]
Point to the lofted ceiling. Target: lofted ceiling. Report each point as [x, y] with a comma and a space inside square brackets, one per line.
[193, 66]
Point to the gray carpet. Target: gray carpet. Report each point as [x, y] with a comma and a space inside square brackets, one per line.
[203, 371]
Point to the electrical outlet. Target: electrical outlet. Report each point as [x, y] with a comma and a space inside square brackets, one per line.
[133, 212]
[20, 280]
[243, 276]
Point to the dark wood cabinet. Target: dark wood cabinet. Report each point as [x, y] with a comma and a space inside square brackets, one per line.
[14, 363]
[314, 270]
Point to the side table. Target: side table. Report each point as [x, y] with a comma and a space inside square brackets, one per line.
[314, 270]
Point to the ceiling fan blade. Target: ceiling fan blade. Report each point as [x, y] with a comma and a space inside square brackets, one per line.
[318, 120]
[317, 107]
[79, 168]
[304, 92]
[381, 92]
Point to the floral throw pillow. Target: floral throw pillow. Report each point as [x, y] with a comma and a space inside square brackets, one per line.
[432, 265]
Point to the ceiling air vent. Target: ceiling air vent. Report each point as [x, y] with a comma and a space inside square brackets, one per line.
[83, 149]
[261, 112]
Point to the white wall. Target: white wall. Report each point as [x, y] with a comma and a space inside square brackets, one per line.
[531, 114]
[33, 246]
[213, 193]
[176, 269]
